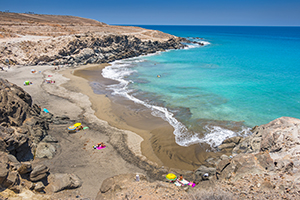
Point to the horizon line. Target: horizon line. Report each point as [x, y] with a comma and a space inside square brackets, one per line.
[202, 25]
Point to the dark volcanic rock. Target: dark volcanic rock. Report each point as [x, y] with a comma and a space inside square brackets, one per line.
[94, 49]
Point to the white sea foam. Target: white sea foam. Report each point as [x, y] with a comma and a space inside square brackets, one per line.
[215, 135]
[205, 43]
[191, 46]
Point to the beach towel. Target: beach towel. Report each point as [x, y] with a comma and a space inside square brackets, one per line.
[100, 148]
[72, 128]
[184, 182]
[45, 110]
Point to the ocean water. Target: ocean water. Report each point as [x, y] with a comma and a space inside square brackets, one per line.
[240, 78]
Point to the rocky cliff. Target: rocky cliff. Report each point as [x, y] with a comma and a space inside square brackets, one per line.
[29, 39]
[82, 49]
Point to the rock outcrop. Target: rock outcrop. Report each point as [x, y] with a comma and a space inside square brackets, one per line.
[23, 134]
[49, 39]
[83, 49]
[264, 164]
[271, 153]
[59, 182]
[21, 128]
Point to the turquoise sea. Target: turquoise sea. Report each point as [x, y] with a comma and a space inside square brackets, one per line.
[240, 78]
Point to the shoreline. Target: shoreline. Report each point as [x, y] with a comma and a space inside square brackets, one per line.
[158, 144]
[102, 106]
[148, 138]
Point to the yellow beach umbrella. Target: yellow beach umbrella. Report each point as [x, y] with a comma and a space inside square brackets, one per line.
[171, 177]
[77, 124]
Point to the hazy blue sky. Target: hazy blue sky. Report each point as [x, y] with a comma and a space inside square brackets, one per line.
[168, 12]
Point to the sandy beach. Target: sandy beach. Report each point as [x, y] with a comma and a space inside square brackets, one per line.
[158, 143]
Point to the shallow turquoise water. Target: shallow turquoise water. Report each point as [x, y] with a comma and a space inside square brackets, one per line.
[245, 76]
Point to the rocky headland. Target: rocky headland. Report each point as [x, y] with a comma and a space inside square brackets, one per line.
[33, 162]
[86, 42]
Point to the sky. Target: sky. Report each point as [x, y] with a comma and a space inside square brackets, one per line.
[168, 12]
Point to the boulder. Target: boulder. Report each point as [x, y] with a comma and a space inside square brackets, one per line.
[107, 184]
[13, 162]
[235, 140]
[224, 157]
[39, 186]
[3, 172]
[15, 104]
[11, 179]
[244, 164]
[50, 139]
[39, 172]
[120, 182]
[226, 146]
[25, 168]
[3, 158]
[45, 150]
[59, 182]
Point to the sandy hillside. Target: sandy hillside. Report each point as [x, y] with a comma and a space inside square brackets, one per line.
[16, 24]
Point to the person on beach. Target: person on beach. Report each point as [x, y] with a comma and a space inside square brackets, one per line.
[79, 128]
[27, 83]
[180, 177]
[101, 144]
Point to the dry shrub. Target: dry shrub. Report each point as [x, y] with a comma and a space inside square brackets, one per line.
[211, 194]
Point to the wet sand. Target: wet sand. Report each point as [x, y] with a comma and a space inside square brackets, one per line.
[158, 143]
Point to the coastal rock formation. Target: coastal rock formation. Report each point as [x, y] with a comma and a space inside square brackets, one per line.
[23, 134]
[39, 172]
[229, 143]
[264, 164]
[83, 49]
[59, 182]
[272, 154]
[48, 39]
[21, 126]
